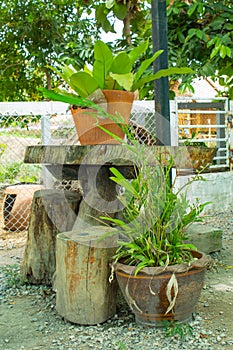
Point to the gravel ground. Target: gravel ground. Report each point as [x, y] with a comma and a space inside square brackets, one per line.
[28, 318]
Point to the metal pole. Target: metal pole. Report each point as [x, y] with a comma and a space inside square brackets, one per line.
[161, 86]
[47, 178]
[45, 129]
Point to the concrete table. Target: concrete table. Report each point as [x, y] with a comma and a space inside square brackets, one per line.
[90, 165]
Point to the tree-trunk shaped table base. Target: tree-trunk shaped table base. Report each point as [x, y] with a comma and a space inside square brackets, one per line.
[99, 197]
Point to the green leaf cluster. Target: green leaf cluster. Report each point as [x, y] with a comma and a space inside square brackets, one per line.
[115, 71]
[21, 121]
[19, 172]
[200, 35]
[174, 328]
[37, 33]
[156, 215]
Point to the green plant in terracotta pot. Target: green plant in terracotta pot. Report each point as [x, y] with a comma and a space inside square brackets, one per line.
[159, 273]
[112, 80]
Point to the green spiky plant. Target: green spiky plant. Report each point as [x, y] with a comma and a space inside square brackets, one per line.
[153, 225]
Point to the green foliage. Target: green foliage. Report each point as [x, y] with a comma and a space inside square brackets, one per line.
[19, 172]
[36, 33]
[173, 328]
[3, 147]
[11, 276]
[109, 71]
[114, 72]
[200, 35]
[122, 346]
[9, 172]
[156, 215]
[18, 121]
[190, 142]
[136, 11]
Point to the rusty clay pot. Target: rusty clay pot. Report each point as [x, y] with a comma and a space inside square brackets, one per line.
[153, 299]
[119, 104]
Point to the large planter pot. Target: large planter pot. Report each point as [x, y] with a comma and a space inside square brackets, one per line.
[158, 294]
[86, 121]
[201, 157]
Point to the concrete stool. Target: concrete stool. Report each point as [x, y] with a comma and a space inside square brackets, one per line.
[17, 205]
[205, 237]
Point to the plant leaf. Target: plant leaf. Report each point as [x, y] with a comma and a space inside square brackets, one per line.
[114, 221]
[103, 61]
[137, 51]
[124, 80]
[120, 11]
[121, 64]
[172, 284]
[64, 71]
[192, 8]
[70, 99]
[122, 181]
[145, 64]
[83, 83]
[160, 74]
[109, 3]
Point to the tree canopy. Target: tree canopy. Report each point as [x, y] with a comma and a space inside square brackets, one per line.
[200, 35]
[37, 33]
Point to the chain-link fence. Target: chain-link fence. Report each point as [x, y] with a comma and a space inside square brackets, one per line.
[20, 126]
[23, 124]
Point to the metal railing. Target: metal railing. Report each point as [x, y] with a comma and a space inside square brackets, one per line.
[205, 121]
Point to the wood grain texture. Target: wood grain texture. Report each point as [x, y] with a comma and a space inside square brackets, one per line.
[185, 157]
[84, 293]
[52, 211]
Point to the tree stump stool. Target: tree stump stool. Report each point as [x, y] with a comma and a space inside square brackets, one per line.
[84, 294]
[52, 211]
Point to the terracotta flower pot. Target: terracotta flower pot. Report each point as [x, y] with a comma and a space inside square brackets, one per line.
[86, 120]
[148, 292]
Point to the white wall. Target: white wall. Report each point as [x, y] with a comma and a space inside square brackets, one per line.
[218, 189]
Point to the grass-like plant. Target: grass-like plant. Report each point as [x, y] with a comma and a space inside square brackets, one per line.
[19, 172]
[11, 275]
[156, 215]
[174, 329]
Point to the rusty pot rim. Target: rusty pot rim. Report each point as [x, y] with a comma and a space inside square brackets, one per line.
[200, 263]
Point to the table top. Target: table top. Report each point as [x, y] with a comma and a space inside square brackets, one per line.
[185, 157]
